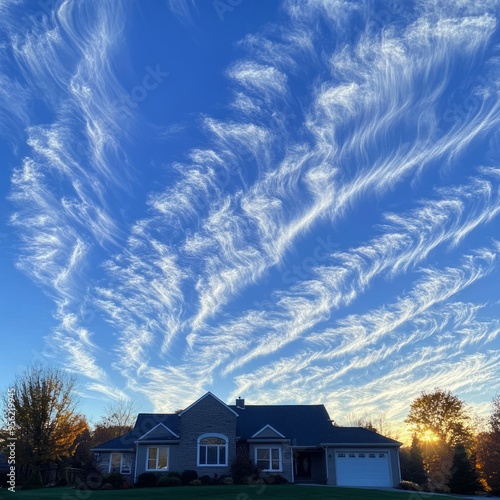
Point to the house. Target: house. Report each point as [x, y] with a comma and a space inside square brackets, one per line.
[298, 442]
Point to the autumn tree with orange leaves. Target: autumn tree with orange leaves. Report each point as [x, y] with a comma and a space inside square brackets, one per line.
[46, 423]
[440, 420]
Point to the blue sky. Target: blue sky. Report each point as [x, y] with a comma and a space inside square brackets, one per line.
[294, 202]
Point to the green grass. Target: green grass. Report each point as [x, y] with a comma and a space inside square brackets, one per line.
[220, 493]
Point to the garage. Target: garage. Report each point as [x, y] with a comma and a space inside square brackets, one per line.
[362, 468]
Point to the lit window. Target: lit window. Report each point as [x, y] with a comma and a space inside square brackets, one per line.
[158, 458]
[212, 450]
[119, 463]
[115, 462]
[268, 459]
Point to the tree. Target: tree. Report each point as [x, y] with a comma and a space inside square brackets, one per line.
[118, 420]
[488, 449]
[440, 420]
[377, 422]
[46, 423]
[414, 463]
[441, 414]
[464, 477]
[356, 420]
[495, 416]
[121, 414]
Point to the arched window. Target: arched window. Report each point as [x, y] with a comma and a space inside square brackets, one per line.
[212, 450]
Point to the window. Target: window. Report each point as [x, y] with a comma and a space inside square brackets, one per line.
[381, 455]
[119, 463]
[352, 455]
[341, 455]
[371, 455]
[361, 455]
[212, 449]
[268, 459]
[157, 458]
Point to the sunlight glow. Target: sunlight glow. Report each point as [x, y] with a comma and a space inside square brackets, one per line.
[429, 436]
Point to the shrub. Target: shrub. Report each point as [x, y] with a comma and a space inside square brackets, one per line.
[195, 482]
[147, 480]
[127, 485]
[206, 479]
[188, 475]
[107, 486]
[408, 485]
[174, 474]
[275, 479]
[115, 479]
[34, 482]
[222, 479]
[255, 479]
[168, 481]
[242, 467]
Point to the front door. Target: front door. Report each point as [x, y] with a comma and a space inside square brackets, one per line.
[302, 464]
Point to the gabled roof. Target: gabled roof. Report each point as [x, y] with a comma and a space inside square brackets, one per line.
[304, 425]
[144, 424]
[268, 431]
[208, 394]
[122, 443]
[161, 431]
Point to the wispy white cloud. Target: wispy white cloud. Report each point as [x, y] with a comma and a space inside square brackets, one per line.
[183, 9]
[406, 242]
[358, 334]
[248, 219]
[60, 190]
[221, 274]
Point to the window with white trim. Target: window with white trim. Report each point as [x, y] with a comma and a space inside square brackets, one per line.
[119, 463]
[268, 458]
[157, 458]
[212, 450]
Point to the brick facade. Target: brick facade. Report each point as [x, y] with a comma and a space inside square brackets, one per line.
[207, 416]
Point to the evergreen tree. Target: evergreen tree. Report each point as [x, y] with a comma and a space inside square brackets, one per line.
[416, 470]
[488, 449]
[464, 477]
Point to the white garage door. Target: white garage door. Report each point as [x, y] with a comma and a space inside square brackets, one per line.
[362, 468]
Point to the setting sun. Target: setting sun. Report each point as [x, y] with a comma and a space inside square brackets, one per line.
[429, 436]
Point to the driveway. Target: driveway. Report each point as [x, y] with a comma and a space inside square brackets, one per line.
[414, 495]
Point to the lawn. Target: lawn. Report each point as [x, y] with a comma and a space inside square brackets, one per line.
[221, 493]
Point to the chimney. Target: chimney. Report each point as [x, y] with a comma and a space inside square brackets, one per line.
[240, 403]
